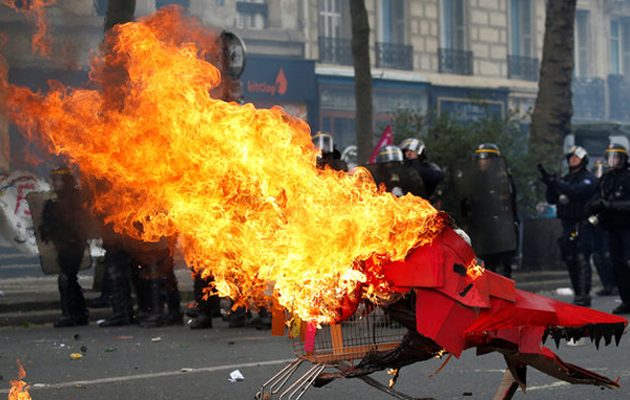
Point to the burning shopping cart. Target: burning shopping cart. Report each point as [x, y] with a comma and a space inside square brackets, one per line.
[338, 347]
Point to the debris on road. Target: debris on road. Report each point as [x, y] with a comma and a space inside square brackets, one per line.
[156, 339]
[76, 356]
[236, 376]
[110, 349]
[187, 370]
[564, 291]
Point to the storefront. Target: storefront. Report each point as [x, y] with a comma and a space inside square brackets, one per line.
[274, 81]
[337, 104]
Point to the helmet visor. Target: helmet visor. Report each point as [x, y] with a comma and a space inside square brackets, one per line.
[613, 159]
[323, 143]
[389, 154]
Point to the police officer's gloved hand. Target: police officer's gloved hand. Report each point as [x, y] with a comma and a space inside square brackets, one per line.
[549, 179]
[599, 205]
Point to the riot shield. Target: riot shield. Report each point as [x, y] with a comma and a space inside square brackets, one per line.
[486, 210]
[47, 251]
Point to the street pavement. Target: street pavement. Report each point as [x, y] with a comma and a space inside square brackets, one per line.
[175, 362]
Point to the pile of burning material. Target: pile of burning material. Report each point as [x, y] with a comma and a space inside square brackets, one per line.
[240, 188]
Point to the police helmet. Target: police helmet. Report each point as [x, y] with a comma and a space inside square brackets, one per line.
[413, 144]
[324, 142]
[62, 179]
[578, 151]
[389, 154]
[616, 155]
[487, 150]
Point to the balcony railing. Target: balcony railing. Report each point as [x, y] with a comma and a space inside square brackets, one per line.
[588, 98]
[525, 68]
[335, 50]
[394, 55]
[619, 92]
[455, 61]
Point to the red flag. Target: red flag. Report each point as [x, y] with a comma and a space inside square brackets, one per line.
[387, 138]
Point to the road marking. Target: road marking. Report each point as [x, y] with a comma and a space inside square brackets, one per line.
[184, 371]
[548, 386]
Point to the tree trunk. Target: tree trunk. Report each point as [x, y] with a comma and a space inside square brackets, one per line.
[362, 78]
[119, 12]
[551, 119]
[114, 73]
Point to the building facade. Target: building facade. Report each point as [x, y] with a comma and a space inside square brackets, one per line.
[444, 55]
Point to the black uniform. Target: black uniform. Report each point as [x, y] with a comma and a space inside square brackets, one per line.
[571, 194]
[398, 179]
[613, 212]
[61, 225]
[332, 160]
[431, 174]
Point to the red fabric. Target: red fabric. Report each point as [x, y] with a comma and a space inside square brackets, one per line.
[387, 138]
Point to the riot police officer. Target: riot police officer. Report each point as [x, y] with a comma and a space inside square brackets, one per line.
[414, 152]
[390, 171]
[601, 253]
[329, 155]
[485, 192]
[612, 211]
[570, 194]
[61, 225]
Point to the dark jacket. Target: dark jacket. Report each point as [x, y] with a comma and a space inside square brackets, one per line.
[431, 174]
[332, 160]
[578, 188]
[615, 192]
[398, 178]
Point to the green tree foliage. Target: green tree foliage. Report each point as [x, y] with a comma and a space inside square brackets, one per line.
[449, 140]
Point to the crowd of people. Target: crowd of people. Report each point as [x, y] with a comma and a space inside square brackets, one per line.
[594, 210]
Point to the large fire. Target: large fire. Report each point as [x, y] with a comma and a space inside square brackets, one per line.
[19, 388]
[238, 185]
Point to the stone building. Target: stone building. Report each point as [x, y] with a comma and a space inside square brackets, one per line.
[444, 55]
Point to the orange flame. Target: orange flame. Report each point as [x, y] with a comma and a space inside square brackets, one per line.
[35, 11]
[475, 269]
[19, 388]
[238, 185]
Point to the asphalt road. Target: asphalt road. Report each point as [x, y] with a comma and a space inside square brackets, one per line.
[129, 363]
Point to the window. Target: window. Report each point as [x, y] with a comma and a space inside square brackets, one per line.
[330, 18]
[521, 30]
[582, 36]
[522, 64]
[334, 32]
[453, 24]
[620, 46]
[615, 48]
[162, 3]
[251, 14]
[390, 48]
[392, 21]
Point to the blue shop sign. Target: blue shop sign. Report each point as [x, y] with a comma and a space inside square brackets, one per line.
[279, 79]
[469, 105]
